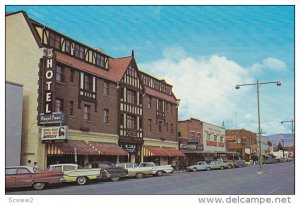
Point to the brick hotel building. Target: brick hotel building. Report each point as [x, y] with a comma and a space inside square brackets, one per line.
[82, 105]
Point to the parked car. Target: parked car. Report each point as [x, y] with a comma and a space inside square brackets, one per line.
[269, 161]
[75, 173]
[239, 163]
[157, 169]
[25, 176]
[135, 171]
[230, 164]
[217, 165]
[110, 170]
[202, 165]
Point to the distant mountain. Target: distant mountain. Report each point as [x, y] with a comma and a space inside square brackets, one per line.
[275, 139]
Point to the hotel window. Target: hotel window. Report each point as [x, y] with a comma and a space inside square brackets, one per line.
[77, 49]
[57, 42]
[167, 106]
[192, 134]
[106, 88]
[59, 73]
[172, 128]
[105, 115]
[87, 82]
[71, 108]
[130, 96]
[122, 120]
[239, 140]
[130, 71]
[59, 105]
[68, 46]
[130, 124]
[215, 138]
[71, 75]
[149, 101]
[51, 39]
[150, 124]
[160, 126]
[86, 112]
[159, 105]
[167, 127]
[81, 52]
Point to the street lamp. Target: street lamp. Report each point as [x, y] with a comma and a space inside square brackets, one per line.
[293, 132]
[278, 83]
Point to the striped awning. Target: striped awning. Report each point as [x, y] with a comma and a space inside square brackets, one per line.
[108, 149]
[151, 151]
[174, 152]
[70, 147]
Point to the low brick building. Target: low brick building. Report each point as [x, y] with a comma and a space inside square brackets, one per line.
[242, 141]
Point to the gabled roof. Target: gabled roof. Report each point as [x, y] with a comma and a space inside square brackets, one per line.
[89, 68]
[119, 66]
[163, 96]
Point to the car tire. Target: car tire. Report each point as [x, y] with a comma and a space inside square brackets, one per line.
[221, 168]
[81, 180]
[115, 179]
[39, 185]
[194, 169]
[159, 173]
[139, 175]
[208, 169]
[229, 167]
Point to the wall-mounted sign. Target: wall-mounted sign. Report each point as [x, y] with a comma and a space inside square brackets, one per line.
[51, 118]
[130, 148]
[54, 133]
[47, 81]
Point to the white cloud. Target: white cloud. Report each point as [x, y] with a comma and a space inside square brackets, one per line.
[206, 87]
[269, 64]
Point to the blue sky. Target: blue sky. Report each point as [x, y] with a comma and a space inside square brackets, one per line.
[204, 49]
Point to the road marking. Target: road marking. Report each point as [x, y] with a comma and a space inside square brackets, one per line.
[274, 190]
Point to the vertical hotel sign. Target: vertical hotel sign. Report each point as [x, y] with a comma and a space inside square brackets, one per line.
[47, 81]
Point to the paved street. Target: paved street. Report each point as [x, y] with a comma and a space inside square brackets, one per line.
[279, 179]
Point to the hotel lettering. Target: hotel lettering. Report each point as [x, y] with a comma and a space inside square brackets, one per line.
[48, 78]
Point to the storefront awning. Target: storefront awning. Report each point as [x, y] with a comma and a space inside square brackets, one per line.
[70, 147]
[197, 152]
[155, 152]
[150, 151]
[173, 152]
[108, 149]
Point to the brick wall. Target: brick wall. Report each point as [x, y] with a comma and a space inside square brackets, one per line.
[70, 92]
[170, 118]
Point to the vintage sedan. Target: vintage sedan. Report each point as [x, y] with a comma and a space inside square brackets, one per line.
[157, 169]
[25, 176]
[202, 165]
[217, 165]
[110, 170]
[136, 171]
[75, 173]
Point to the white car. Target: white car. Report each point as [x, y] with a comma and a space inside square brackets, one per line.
[157, 169]
[136, 171]
[202, 165]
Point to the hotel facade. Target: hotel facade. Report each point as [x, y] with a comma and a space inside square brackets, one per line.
[82, 105]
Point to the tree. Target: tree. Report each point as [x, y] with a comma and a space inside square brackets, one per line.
[279, 146]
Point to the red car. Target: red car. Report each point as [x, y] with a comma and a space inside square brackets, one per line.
[25, 176]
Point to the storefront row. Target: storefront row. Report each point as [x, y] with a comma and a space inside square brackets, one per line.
[82, 153]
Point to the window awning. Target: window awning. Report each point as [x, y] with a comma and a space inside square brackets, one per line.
[173, 152]
[81, 147]
[155, 152]
[108, 149]
[150, 151]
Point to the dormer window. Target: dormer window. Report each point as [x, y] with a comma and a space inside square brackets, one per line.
[68, 46]
[79, 51]
[57, 42]
[130, 71]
